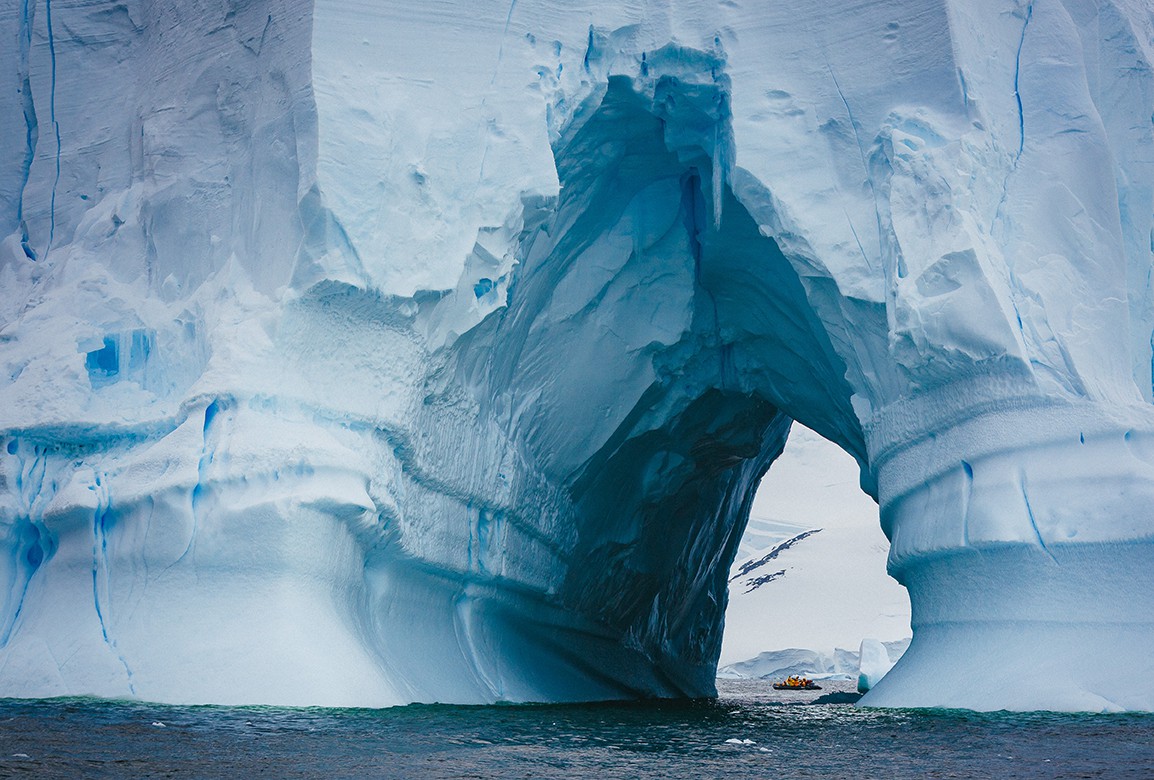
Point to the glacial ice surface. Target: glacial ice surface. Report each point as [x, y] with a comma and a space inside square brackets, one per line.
[433, 352]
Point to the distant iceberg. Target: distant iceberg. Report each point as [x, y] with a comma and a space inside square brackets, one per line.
[815, 664]
[874, 662]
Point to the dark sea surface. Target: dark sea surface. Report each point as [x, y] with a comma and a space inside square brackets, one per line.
[750, 731]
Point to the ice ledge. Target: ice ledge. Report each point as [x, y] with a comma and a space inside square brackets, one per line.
[999, 466]
[1014, 626]
[922, 436]
[1024, 533]
[1041, 475]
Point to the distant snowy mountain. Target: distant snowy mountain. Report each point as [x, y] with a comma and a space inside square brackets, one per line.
[752, 573]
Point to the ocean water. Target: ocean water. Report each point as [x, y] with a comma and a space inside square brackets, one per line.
[750, 731]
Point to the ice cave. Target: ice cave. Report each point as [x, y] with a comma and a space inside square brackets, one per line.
[366, 354]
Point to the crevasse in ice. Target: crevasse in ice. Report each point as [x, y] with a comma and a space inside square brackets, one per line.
[366, 354]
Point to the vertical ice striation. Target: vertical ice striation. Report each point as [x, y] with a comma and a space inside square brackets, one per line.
[362, 355]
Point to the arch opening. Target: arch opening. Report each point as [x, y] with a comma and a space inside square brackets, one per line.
[651, 314]
[809, 582]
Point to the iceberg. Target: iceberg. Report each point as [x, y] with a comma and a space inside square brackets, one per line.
[874, 659]
[363, 355]
[873, 664]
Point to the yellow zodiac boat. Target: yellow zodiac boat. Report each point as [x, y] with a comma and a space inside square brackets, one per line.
[796, 684]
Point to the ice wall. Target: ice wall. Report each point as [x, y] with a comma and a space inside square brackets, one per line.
[363, 355]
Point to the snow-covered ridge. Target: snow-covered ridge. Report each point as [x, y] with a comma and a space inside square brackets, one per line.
[778, 664]
[762, 578]
[371, 355]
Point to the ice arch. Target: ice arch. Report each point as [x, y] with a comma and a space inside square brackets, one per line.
[268, 438]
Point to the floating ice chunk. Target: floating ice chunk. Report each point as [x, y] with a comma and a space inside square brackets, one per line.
[873, 663]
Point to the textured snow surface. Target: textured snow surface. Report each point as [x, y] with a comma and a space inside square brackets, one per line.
[372, 353]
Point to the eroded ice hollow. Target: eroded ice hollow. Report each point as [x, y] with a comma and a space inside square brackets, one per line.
[367, 355]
